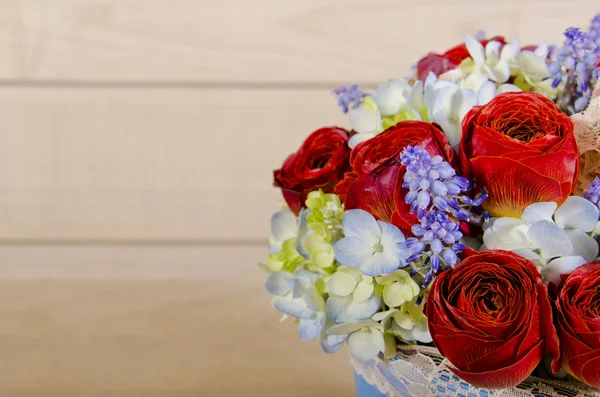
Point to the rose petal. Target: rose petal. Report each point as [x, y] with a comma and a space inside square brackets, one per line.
[506, 377]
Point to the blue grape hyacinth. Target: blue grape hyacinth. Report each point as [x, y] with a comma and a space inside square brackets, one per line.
[349, 97]
[574, 67]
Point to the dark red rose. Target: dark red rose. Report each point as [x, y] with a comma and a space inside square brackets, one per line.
[320, 163]
[491, 318]
[578, 324]
[449, 60]
[522, 149]
[374, 182]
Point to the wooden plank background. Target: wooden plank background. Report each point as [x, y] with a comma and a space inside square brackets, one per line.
[137, 141]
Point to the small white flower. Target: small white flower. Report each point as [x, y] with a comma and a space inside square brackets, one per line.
[488, 60]
[391, 96]
[367, 124]
[375, 247]
[558, 240]
[284, 226]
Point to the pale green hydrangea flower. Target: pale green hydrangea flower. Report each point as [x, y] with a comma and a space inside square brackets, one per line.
[325, 217]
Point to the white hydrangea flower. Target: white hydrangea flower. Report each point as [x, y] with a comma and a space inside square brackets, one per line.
[352, 296]
[557, 240]
[407, 322]
[365, 338]
[284, 226]
[376, 247]
[399, 288]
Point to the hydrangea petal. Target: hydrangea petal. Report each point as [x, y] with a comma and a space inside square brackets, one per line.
[366, 344]
[342, 283]
[352, 251]
[394, 294]
[359, 223]
[539, 212]
[337, 308]
[284, 225]
[583, 244]
[564, 265]
[279, 283]
[577, 213]
[293, 307]
[381, 263]
[311, 328]
[331, 343]
[363, 291]
[364, 310]
[551, 240]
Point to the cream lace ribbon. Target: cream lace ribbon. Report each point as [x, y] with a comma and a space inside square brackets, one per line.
[587, 133]
[420, 371]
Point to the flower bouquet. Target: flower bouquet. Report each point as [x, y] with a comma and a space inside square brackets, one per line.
[450, 236]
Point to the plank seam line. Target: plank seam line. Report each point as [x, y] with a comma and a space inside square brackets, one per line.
[158, 84]
[134, 242]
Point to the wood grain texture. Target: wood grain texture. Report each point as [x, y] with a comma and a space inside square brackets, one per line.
[255, 41]
[148, 164]
[107, 333]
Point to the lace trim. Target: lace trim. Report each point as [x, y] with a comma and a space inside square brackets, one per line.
[587, 134]
[420, 371]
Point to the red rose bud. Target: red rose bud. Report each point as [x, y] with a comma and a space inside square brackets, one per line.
[319, 164]
[522, 149]
[451, 59]
[578, 324]
[374, 183]
[491, 318]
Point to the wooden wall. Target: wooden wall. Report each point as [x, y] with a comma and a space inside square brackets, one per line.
[137, 140]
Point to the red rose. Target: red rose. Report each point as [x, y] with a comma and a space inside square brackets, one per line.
[521, 147]
[491, 318]
[374, 183]
[449, 60]
[319, 164]
[578, 324]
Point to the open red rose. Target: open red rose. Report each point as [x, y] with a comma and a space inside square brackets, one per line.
[374, 183]
[319, 164]
[491, 318]
[578, 324]
[522, 149]
[449, 60]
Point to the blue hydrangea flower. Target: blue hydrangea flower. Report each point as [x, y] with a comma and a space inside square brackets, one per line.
[349, 97]
[376, 247]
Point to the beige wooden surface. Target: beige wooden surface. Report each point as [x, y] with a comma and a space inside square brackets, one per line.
[137, 140]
